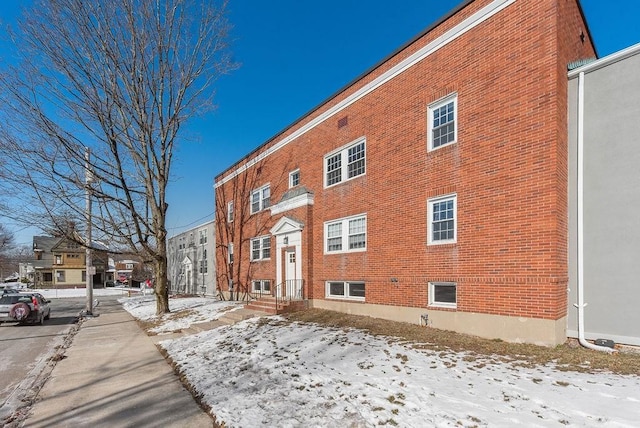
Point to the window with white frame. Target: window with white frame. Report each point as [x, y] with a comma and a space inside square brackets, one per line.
[346, 163]
[345, 290]
[260, 199]
[261, 248]
[203, 236]
[204, 266]
[442, 218]
[230, 212]
[443, 123]
[443, 294]
[345, 235]
[261, 286]
[230, 252]
[294, 178]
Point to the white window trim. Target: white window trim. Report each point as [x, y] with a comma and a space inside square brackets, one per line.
[430, 204]
[230, 253]
[261, 240]
[203, 264]
[344, 155]
[435, 105]
[346, 290]
[433, 303]
[261, 282]
[344, 235]
[291, 174]
[262, 206]
[230, 212]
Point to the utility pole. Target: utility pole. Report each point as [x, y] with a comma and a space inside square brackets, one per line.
[89, 269]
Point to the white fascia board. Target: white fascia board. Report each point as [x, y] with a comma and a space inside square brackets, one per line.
[298, 201]
[607, 60]
[446, 38]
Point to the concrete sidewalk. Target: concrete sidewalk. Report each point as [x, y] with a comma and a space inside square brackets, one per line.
[114, 376]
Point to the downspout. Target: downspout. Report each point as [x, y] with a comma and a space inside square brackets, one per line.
[581, 305]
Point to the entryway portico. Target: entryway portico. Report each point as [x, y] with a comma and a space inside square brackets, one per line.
[288, 234]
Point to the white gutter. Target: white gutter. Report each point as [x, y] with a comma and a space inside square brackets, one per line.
[581, 305]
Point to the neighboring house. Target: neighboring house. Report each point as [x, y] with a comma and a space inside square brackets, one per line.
[191, 260]
[604, 197]
[27, 272]
[61, 262]
[123, 269]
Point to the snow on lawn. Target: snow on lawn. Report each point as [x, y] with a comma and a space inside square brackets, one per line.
[267, 371]
[53, 293]
[184, 311]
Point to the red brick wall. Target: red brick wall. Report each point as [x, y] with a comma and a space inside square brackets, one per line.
[508, 169]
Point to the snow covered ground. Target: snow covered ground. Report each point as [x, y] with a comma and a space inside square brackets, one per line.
[53, 293]
[269, 372]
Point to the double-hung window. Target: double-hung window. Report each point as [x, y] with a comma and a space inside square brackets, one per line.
[442, 219]
[261, 248]
[345, 290]
[260, 199]
[346, 163]
[230, 212]
[345, 235]
[294, 178]
[443, 123]
[443, 294]
[204, 267]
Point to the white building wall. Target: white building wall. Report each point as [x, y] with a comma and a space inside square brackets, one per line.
[187, 253]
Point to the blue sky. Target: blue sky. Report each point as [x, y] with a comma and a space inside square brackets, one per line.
[294, 54]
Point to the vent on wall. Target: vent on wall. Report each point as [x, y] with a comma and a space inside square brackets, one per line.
[343, 121]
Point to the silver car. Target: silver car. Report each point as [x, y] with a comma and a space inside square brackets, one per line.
[24, 308]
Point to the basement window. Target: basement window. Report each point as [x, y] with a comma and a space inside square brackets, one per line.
[443, 294]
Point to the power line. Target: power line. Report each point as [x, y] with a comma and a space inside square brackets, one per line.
[192, 223]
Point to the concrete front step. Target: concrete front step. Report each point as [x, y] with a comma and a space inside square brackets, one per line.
[270, 306]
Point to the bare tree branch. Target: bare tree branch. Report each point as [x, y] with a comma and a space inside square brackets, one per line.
[121, 77]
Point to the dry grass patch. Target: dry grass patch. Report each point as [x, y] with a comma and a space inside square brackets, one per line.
[147, 325]
[563, 356]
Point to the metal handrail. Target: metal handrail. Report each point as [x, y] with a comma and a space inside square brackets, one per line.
[291, 290]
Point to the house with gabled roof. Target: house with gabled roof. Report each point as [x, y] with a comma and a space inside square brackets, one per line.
[61, 262]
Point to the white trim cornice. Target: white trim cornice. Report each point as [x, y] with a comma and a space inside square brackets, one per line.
[452, 34]
[289, 204]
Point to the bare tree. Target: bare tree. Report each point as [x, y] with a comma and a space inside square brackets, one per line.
[7, 242]
[236, 226]
[118, 77]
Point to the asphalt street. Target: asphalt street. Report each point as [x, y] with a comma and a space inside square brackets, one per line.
[25, 352]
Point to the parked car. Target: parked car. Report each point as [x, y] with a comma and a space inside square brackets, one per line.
[24, 308]
[109, 284]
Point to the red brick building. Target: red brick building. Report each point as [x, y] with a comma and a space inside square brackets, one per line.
[433, 188]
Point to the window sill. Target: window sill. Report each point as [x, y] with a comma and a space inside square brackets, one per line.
[346, 299]
[435, 149]
[442, 244]
[360, 250]
[451, 306]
